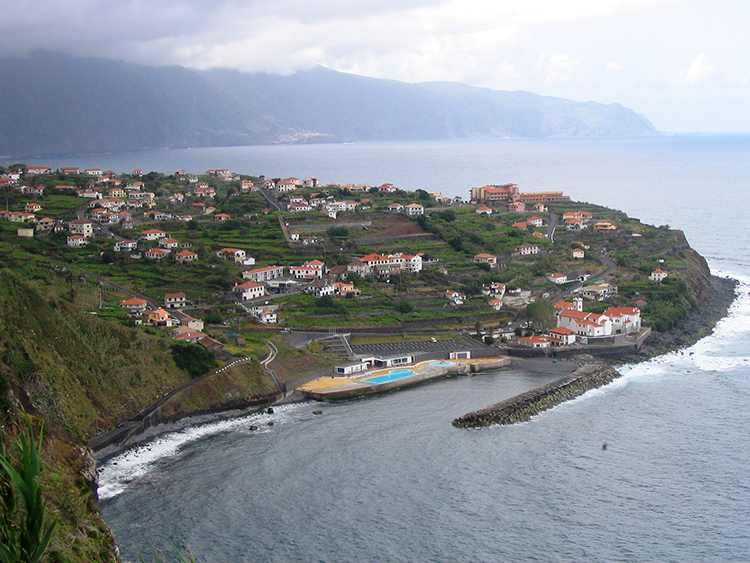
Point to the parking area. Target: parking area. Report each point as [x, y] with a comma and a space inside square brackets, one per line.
[389, 348]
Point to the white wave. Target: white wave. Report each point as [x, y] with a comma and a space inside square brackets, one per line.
[135, 463]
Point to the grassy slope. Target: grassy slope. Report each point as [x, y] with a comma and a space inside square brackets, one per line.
[81, 374]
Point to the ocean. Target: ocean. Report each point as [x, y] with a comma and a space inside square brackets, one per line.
[387, 478]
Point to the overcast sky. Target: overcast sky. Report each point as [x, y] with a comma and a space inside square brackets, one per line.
[684, 64]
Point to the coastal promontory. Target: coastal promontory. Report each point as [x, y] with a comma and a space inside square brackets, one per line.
[131, 300]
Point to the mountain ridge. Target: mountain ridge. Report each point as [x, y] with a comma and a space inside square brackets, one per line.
[58, 104]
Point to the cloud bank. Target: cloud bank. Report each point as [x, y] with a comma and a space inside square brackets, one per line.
[628, 51]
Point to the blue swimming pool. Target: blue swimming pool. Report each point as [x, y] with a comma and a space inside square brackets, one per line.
[443, 363]
[391, 376]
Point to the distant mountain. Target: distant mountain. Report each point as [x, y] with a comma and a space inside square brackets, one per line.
[357, 108]
[57, 104]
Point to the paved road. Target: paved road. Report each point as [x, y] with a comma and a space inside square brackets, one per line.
[551, 226]
[609, 267]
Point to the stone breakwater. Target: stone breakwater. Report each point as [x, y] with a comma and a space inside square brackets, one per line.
[522, 407]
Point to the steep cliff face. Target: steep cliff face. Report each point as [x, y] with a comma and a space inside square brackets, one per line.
[82, 375]
[698, 275]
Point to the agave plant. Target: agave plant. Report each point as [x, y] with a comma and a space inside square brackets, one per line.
[25, 530]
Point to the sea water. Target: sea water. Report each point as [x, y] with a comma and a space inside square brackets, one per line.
[653, 467]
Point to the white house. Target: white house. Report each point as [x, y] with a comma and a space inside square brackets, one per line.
[455, 297]
[310, 269]
[125, 245]
[134, 305]
[585, 324]
[535, 341]
[527, 249]
[558, 278]
[414, 209]
[658, 276]
[231, 254]
[186, 256]
[77, 241]
[156, 254]
[625, 320]
[561, 336]
[174, 300]
[267, 316]
[81, 227]
[495, 304]
[153, 234]
[249, 290]
[264, 274]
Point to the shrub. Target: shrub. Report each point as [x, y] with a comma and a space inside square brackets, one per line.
[193, 358]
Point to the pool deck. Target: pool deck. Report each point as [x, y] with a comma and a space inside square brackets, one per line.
[344, 387]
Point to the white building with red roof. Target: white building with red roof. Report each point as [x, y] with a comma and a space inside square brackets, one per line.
[535, 341]
[134, 305]
[249, 290]
[264, 274]
[625, 320]
[561, 336]
[153, 234]
[309, 270]
[77, 241]
[235, 254]
[156, 254]
[558, 278]
[38, 170]
[495, 304]
[186, 256]
[585, 324]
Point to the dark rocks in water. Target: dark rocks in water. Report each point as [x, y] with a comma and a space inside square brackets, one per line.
[253, 428]
[270, 423]
[318, 412]
[269, 410]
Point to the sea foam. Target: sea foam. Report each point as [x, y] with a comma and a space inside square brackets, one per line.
[135, 463]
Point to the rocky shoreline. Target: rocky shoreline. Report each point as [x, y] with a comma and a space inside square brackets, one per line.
[700, 322]
[590, 375]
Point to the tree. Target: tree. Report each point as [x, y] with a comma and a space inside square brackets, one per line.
[540, 313]
[25, 530]
[423, 195]
[448, 215]
[457, 243]
[403, 307]
[193, 358]
[338, 232]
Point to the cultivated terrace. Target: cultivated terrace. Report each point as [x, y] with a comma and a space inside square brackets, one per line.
[429, 261]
